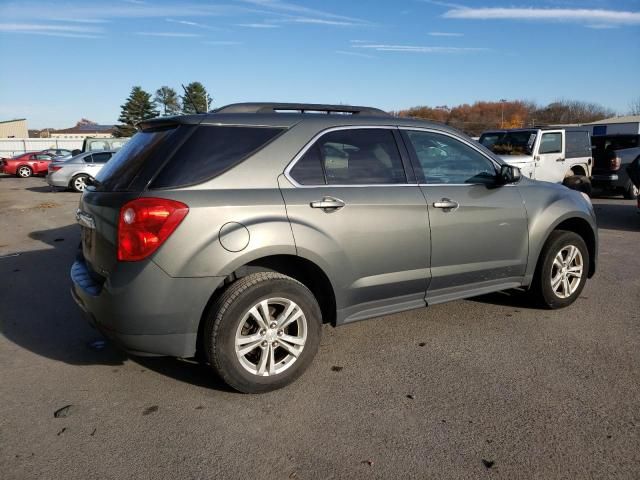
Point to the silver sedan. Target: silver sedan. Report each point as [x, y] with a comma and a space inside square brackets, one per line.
[74, 172]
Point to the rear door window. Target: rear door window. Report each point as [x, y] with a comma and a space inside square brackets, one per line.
[210, 151]
[578, 145]
[102, 157]
[367, 156]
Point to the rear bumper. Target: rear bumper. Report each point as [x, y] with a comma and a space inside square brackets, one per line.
[142, 309]
[56, 181]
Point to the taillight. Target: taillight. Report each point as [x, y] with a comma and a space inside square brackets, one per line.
[614, 163]
[54, 168]
[145, 224]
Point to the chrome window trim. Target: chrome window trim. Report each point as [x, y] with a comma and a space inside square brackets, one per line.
[310, 143]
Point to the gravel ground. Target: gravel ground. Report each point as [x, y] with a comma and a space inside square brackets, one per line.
[486, 387]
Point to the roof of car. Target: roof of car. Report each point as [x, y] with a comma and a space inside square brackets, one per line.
[289, 114]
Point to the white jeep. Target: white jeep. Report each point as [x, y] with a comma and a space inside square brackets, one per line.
[558, 155]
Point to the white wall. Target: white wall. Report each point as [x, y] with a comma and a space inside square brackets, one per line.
[15, 146]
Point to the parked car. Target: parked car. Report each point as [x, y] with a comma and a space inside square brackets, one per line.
[558, 155]
[612, 155]
[57, 152]
[73, 173]
[27, 164]
[633, 171]
[98, 144]
[235, 234]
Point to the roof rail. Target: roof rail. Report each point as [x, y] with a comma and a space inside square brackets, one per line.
[265, 107]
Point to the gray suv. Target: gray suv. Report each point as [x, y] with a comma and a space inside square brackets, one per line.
[233, 235]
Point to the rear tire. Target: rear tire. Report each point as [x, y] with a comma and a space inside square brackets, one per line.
[580, 183]
[24, 171]
[562, 270]
[630, 191]
[248, 339]
[79, 183]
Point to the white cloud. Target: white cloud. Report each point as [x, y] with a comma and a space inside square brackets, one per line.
[446, 34]
[54, 30]
[257, 25]
[292, 8]
[168, 34]
[417, 48]
[320, 21]
[580, 15]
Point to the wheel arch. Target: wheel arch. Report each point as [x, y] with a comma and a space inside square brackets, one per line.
[299, 268]
[582, 228]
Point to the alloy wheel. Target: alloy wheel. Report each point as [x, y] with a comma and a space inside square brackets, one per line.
[271, 336]
[24, 172]
[566, 271]
[79, 183]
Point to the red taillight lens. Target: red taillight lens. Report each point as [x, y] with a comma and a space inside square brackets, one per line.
[54, 168]
[145, 224]
[614, 163]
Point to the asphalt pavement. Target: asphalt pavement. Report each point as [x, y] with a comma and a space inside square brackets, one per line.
[488, 387]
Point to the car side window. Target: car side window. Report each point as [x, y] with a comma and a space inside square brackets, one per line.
[101, 157]
[551, 143]
[88, 159]
[367, 156]
[444, 160]
[43, 157]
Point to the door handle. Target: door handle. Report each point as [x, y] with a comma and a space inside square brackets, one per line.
[560, 159]
[446, 204]
[328, 203]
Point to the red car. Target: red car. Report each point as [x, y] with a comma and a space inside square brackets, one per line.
[27, 164]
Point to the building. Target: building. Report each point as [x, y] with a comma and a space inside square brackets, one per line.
[81, 131]
[626, 125]
[14, 128]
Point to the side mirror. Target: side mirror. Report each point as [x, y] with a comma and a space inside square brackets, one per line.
[509, 174]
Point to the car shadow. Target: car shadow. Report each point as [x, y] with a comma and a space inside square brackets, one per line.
[508, 298]
[618, 216]
[39, 315]
[45, 189]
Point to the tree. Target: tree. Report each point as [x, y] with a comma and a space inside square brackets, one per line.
[196, 99]
[634, 107]
[137, 108]
[167, 100]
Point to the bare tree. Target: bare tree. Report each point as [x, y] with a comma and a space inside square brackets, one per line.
[634, 107]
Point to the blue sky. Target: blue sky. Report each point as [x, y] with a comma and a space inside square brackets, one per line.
[67, 59]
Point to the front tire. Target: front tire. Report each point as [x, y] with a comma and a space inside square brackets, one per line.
[262, 332]
[562, 270]
[24, 171]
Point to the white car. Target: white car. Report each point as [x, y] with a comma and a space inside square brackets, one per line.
[557, 155]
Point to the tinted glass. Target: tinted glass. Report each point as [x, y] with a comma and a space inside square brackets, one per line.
[43, 157]
[515, 142]
[578, 144]
[125, 164]
[445, 160]
[308, 170]
[210, 151]
[101, 157]
[551, 143]
[359, 156]
[88, 159]
[97, 146]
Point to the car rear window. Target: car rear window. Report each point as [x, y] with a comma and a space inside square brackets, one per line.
[120, 171]
[210, 151]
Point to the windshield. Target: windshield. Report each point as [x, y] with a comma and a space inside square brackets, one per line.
[510, 143]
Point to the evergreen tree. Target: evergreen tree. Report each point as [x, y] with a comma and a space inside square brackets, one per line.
[138, 107]
[166, 99]
[197, 95]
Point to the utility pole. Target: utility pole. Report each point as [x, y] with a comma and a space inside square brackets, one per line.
[502, 101]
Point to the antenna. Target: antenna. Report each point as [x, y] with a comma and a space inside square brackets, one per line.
[190, 99]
